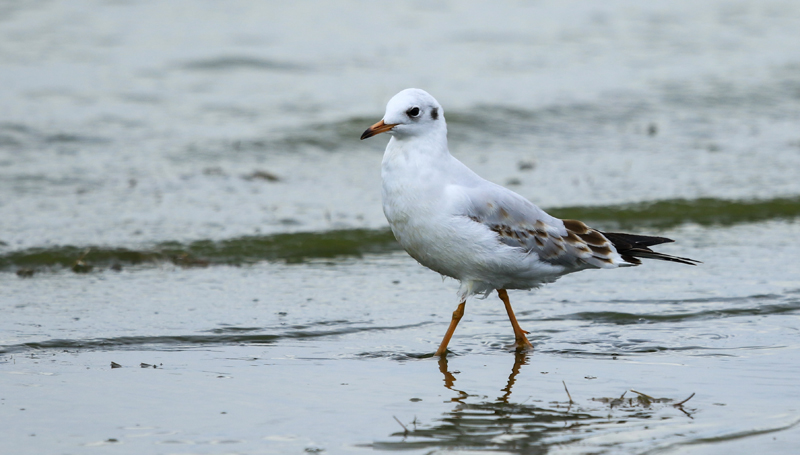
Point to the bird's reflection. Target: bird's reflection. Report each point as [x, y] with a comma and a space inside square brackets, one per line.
[520, 358]
[529, 426]
[477, 423]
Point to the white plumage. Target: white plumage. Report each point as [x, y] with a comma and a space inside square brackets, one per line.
[486, 236]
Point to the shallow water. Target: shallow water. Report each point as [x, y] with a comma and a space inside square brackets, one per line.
[183, 193]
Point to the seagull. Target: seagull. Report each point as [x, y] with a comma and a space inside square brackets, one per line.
[487, 237]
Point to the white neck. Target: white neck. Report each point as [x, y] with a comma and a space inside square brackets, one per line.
[421, 148]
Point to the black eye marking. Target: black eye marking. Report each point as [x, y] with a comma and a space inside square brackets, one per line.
[413, 112]
[435, 113]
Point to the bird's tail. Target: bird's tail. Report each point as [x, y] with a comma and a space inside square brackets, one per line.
[631, 247]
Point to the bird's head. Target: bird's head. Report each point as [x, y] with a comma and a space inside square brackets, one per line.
[412, 112]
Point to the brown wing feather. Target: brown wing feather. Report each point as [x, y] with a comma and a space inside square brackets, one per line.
[580, 246]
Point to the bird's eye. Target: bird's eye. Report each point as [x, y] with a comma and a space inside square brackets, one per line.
[413, 112]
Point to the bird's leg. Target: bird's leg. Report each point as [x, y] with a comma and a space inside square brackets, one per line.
[453, 323]
[519, 334]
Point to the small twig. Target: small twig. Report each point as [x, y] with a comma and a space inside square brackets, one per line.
[401, 424]
[644, 395]
[623, 395]
[677, 405]
[83, 255]
[567, 390]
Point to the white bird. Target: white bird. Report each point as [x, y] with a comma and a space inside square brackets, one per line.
[486, 236]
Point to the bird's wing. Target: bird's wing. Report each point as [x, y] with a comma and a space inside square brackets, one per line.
[519, 223]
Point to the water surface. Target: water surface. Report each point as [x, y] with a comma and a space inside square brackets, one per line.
[193, 257]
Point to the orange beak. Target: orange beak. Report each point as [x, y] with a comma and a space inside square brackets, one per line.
[378, 128]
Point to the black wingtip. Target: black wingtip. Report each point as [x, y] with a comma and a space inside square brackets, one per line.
[632, 246]
[647, 253]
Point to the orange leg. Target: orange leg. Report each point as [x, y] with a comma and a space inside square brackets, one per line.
[519, 334]
[453, 323]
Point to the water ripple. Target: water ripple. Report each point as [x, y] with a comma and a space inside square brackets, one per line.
[228, 336]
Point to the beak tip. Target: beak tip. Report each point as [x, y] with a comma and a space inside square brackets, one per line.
[377, 128]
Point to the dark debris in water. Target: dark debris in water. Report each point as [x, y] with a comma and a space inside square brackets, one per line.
[80, 266]
[262, 175]
[25, 272]
[641, 400]
[187, 260]
[141, 365]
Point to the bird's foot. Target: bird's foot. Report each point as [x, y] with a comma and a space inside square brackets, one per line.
[522, 343]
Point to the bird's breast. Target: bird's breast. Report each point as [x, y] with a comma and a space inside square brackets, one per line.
[415, 211]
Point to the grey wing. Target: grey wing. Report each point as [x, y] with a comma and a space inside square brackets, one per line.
[519, 223]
